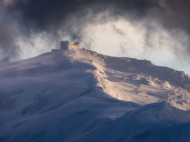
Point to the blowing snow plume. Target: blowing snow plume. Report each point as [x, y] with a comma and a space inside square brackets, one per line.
[156, 30]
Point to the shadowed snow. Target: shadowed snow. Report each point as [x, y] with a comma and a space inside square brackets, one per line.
[80, 95]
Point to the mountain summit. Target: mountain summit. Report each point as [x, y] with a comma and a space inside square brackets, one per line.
[76, 95]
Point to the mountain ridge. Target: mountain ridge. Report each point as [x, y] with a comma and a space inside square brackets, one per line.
[80, 95]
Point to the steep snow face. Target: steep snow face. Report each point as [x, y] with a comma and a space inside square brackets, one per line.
[138, 81]
[80, 95]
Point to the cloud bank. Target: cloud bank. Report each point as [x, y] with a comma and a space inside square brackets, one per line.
[153, 29]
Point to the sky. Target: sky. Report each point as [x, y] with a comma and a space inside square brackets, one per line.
[157, 30]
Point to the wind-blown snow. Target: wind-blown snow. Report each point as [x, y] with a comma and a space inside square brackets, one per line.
[80, 95]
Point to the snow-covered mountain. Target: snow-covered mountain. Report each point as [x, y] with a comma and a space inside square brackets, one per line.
[81, 96]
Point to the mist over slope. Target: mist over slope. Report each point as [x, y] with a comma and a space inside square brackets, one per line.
[80, 95]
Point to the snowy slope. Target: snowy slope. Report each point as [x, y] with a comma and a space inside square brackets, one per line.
[80, 95]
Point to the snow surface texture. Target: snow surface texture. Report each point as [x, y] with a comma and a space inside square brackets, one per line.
[81, 96]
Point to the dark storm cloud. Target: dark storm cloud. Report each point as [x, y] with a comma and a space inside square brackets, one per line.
[48, 14]
[51, 15]
[8, 31]
[45, 13]
[173, 14]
